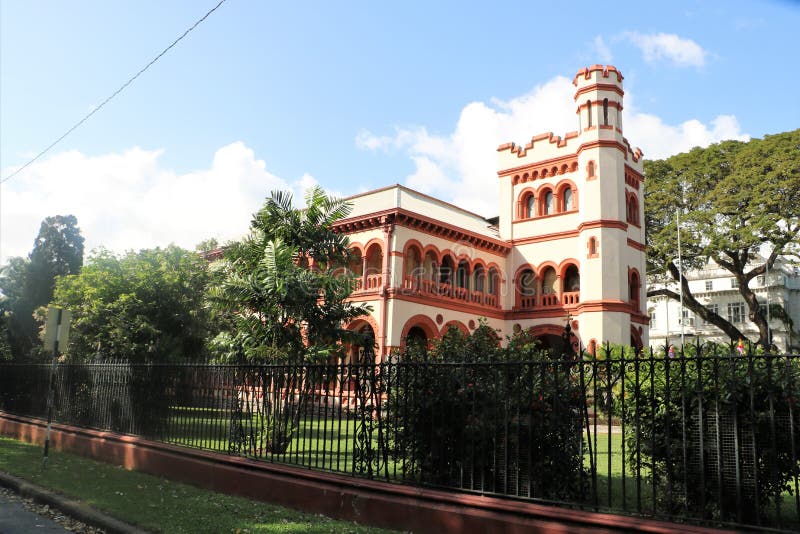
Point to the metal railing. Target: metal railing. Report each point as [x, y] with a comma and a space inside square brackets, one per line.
[706, 437]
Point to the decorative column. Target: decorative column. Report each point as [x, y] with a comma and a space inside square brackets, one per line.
[388, 231]
[364, 271]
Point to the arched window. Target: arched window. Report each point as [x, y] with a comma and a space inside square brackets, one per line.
[632, 207]
[430, 265]
[413, 262]
[566, 199]
[605, 111]
[530, 206]
[416, 339]
[548, 203]
[356, 263]
[589, 111]
[494, 281]
[526, 288]
[633, 289]
[592, 247]
[527, 283]
[374, 259]
[479, 278]
[549, 281]
[572, 279]
[373, 276]
[590, 169]
[446, 271]
[462, 274]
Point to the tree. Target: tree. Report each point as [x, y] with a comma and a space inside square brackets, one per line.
[27, 284]
[57, 251]
[276, 289]
[282, 297]
[144, 306]
[15, 308]
[734, 198]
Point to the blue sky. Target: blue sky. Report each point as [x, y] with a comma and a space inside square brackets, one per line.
[350, 95]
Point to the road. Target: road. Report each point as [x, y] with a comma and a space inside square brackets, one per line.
[15, 519]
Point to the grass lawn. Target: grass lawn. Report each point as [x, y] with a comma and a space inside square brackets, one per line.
[154, 503]
[319, 443]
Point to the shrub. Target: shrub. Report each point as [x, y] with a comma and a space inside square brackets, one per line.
[470, 413]
[718, 434]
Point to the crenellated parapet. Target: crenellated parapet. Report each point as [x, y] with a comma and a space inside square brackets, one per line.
[553, 141]
[595, 73]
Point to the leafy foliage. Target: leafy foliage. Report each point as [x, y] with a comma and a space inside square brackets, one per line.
[28, 283]
[733, 197]
[496, 412]
[144, 306]
[280, 300]
[276, 291]
[716, 426]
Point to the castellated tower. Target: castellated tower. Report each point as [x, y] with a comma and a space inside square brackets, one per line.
[572, 209]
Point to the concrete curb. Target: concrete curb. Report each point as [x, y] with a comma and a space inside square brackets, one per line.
[75, 509]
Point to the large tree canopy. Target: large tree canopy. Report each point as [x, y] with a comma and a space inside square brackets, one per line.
[276, 289]
[734, 199]
[144, 306]
[27, 284]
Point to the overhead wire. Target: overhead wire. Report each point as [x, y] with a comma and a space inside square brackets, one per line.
[115, 93]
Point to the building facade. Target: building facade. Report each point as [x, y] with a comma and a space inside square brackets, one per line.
[568, 241]
[716, 288]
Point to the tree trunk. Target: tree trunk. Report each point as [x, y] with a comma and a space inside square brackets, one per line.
[693, 304]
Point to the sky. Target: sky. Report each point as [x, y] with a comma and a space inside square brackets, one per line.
[350, 95]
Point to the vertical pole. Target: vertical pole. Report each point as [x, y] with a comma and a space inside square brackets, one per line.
[680, 271]
[769, 329]
[51, 391]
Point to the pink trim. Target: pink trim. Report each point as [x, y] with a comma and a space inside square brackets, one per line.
[368, 502]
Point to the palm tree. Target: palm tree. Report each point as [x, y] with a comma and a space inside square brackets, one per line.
[282, 303]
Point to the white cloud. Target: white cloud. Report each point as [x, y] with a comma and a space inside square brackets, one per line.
[461, 167]
[602, 50]
[659, 140]
[130, 201]
[367, 140]
[680, 51]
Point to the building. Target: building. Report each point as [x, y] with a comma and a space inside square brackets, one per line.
[568, 240]
[717, 288]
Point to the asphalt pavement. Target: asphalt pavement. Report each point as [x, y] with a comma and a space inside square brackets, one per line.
[15, 519]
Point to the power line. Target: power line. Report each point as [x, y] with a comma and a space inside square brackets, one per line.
[115, 93]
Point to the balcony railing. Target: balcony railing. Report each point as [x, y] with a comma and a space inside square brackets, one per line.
[420, 286]
[550, 300]
[371, 282]
[570, 298]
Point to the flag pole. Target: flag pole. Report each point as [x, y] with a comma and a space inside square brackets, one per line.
[680, 273]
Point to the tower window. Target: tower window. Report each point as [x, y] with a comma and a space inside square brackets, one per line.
[633, 210]
[530, 207]
[567, 199]
[605, 111]
[548, 203]
[592, 247]
[590, 169]
[589, 111]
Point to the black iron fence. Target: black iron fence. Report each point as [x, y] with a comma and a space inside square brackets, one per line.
[708, 437]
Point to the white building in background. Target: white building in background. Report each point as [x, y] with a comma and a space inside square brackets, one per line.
[715, 287]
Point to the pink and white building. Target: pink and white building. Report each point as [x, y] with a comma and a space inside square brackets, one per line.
[568, 241]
